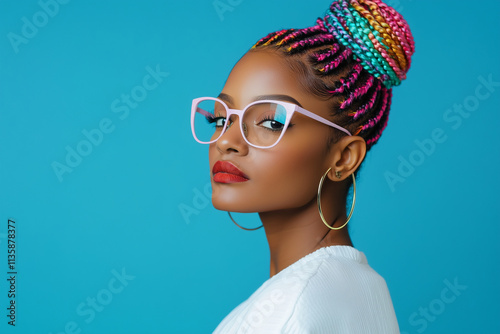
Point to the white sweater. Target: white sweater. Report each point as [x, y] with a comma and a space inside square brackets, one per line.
[332, 290]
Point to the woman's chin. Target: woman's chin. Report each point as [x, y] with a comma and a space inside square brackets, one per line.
[231, 205]
[228, 199]
[227, 207]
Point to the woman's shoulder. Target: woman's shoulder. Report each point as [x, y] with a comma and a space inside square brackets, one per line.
[330, 290]
[338, 263]
[330, 270]
[343, 265]
[343, 292]
[341, 275]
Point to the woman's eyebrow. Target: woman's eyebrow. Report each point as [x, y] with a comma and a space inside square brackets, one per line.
[280, 97]
[226, 98]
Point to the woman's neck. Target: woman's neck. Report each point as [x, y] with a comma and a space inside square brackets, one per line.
[293, 234]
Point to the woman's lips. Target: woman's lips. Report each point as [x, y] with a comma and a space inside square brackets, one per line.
[226, 172]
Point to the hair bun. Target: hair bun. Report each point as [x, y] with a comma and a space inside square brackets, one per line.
[376, 33]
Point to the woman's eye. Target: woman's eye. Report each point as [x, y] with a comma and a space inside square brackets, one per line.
[219, 121]
[272, 124]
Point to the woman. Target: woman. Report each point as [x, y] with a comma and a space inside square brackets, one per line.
[287, 135]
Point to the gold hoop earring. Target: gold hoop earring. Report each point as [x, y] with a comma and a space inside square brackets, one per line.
[244, 228]
[319, 201]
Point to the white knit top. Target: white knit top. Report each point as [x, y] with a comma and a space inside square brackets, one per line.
[332, 290]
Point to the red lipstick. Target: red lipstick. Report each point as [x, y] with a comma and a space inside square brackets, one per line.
[226, 172]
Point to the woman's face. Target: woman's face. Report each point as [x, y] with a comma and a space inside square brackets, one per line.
[285, 176]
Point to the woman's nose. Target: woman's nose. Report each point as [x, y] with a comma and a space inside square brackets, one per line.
[232, 139]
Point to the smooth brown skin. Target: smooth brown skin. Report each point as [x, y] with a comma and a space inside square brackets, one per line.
[283, 180]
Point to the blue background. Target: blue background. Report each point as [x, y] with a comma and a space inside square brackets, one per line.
[120, 208]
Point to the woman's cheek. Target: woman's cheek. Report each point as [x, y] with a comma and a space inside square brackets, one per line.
[288, 179]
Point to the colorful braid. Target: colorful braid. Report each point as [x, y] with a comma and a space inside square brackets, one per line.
[358, 51]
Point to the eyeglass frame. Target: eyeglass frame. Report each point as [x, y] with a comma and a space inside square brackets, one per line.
[290, 109]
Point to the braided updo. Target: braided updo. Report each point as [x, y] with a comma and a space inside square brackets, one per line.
[354, 55]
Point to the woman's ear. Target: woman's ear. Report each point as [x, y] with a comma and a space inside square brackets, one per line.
[345, 157]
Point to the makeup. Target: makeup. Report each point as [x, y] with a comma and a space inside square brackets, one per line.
[226, 172]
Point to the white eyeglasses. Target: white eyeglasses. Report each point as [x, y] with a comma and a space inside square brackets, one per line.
[262, 123]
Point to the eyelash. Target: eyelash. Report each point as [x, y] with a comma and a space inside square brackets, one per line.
[214, 119]
[267, 118]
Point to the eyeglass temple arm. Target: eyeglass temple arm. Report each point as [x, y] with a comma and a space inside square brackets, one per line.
[203, 112]
[321, 119]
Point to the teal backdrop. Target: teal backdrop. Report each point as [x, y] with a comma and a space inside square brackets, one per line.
[108, 198]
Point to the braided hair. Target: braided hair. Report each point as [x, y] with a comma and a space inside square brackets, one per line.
[353, 56]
